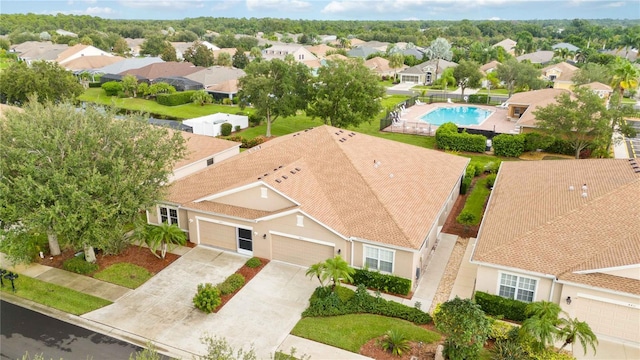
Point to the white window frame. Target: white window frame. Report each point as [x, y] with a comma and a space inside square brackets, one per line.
[169, 208]
[518, 286]
[263, 192]
[299, 220]
[364, 258]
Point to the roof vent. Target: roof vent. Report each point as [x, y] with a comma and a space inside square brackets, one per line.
[343, 139]
[298, 169]
[584, 194]
[340, 140]
[260, 178]
[265, 175]
[292, 171]
[280, 167]
[571, 188]
[284, 177]
[584, 187]
[341, 131]
[276, 169]
[338, 133]
[354, 134]
[278, 181]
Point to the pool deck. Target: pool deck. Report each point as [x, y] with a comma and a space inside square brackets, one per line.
[410, 122]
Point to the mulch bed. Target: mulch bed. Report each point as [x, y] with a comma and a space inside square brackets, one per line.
[248, 273]
[373, 349]
[451, 226]
[133, 254]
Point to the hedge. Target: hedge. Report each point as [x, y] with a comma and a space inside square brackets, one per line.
[448, 138]
[324, 302]
[478, 98]
[175, 99]
[383, 282]
[508, 145]
[247, 143]
[470, 173]
[495, 305]
[111, 88]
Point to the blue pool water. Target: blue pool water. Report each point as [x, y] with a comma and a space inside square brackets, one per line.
[460, 115]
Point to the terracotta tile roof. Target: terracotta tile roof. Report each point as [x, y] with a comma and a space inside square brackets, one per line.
[536, 223]
[320, 50]
[337, 57]
[565, 69]
[534, 99]
[227, 87]
[201, 146]
[395, 202]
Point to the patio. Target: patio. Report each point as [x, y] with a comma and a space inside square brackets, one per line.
[410, 122]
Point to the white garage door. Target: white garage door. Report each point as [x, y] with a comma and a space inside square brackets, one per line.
[300, 252]
[609, 319]
[217, 235]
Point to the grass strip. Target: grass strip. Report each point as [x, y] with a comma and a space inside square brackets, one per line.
[477, 199]
[55, 296]
[124, 274]
[351, 332]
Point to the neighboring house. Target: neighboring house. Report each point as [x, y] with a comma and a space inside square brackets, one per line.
[538, 57]
[415, 52]
[603, 90]
[134, 46]
[220, 81]
[77, 51]
[91, 62]
[487, 69]
[320, 51]
[299, 52]
[567, 46]
[561, 74]
[180, 83]
[38, 51]
[575, 243]
[210, 125]
[230, 51]
[181, 47]
[522, 105]
[625, 52]
[308, 196]
[425, 73]
[325, 39]
[381, 66]
[378, 45]
[508, 45]
[164, 69]
[202, 151]
[362, 52]
[66, 33]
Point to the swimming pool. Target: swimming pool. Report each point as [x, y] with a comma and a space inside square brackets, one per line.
[460, 115]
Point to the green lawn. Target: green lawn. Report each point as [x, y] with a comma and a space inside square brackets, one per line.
[58, 297]
[124, 274]
[494, 91]
[477, 198]
[186, 111]
[350, 332]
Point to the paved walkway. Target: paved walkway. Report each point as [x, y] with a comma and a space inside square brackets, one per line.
[465, 282]
[430, 280]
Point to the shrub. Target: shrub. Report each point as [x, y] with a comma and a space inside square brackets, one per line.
[225, 129]
[344, 294]
[448, 138]
[467, 218]
[231, 284]
[112, 88]
[491, 180]
[94, 85]
[78, 264]
[395, 342]
[255, 120]
[508, 145]
[175, 99]
[227, 101]
[207, 298]
[253, 263]
[499, 330]
[498, 306]
[325, 302]
[534, 141]
[478, 98]
[383, 282]
[237, 128]
[492, 167]
[508, 350]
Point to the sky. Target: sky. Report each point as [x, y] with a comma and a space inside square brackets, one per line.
[334, 9]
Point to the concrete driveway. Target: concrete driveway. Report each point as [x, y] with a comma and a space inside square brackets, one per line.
[262, 313]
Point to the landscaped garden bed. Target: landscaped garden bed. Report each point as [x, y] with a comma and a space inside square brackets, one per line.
[247, 273]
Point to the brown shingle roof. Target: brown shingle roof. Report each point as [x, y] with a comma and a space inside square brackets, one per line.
[202, 146]
[395, 202]
[536, 223]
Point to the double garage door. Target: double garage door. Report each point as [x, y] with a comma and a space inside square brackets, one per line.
[609, 319]
[284, 249]
[299, 252]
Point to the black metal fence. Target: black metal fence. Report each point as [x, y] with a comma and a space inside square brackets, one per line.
[393, 113]
[458, 98]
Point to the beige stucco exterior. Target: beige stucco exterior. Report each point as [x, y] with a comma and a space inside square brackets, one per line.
[257, 197]
[488, 280]
[202, 163]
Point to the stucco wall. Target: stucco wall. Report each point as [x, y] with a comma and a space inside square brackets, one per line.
[488, 280]
[403, 261]
[252, 199]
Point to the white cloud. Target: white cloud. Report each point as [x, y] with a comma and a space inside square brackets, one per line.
[99, 11]
[225, 5]
[395, 6]
[495, 18]
[294, 5]
[615, 4]
[162, 4]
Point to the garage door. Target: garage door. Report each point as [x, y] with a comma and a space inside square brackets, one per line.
[609, 319]
[300, 252]
[217, 235]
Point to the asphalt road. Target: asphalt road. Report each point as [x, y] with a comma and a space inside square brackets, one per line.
[23, 330]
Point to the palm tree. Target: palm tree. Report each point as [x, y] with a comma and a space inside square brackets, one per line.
[396, 61]
[542, 323]
[344, 42]
[163, 235]
[255, 53]
[316, 270]
[337, 269]
[572, 329]
[439, 49]
[625, 77]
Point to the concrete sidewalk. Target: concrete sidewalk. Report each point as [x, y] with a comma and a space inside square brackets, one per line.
[465, 282]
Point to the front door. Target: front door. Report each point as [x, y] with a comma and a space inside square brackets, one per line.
[245, 242]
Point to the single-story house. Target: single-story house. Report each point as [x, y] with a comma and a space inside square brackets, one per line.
[561, 74]
[425, 73]
[180, 83]
[37, 51]
[381, 66]
[320, 50]
[299, 52]
[520, 106]
[567, 232]
[210, 124]
[362, 52]
[220, 81]
[537, 57]
[202, 151]
[128, 64]
[603, 90]
[164, 69]
[91, 62]
[564, 45]
[308, 196]
[508, 45]
[78, 51]
[488, 68]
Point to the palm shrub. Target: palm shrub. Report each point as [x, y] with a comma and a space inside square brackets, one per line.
[231, 284]
[207, 298]
[541, 325]
[395, 342]
[507, 349]
[163, 236]
[574, 329]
